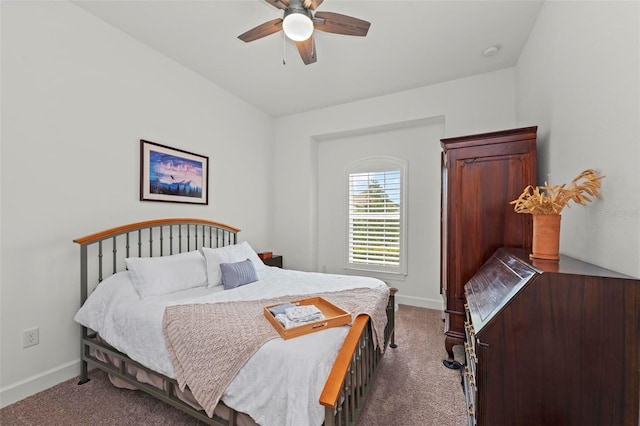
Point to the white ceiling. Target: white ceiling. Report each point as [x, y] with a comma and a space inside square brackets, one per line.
[410, 44]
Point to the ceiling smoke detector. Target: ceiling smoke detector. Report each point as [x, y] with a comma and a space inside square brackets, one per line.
[491, 51]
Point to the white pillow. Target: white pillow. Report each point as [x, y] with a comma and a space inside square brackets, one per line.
[155, 276]
[228, 254]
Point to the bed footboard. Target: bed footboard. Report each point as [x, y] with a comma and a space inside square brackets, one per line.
[353, 372]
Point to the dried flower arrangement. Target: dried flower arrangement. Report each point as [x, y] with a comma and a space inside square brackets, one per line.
[552, 199]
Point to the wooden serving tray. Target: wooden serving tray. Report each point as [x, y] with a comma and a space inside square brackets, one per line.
[333, 317]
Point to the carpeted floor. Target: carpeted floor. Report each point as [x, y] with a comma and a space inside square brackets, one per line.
[412, 388]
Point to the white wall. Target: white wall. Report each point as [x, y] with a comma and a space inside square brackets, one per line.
[578, 78]
[418, 145]
[471, 105]
[77, 96]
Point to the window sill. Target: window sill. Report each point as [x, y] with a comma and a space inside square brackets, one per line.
[382, 275]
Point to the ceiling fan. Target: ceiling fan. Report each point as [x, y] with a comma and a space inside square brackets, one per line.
[300, 20]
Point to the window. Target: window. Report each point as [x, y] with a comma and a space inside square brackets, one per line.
[376, 216]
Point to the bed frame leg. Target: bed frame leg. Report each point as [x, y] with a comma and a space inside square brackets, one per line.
[84, 374]
[392, 317]
[84, 366]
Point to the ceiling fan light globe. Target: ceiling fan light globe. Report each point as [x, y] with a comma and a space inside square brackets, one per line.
[297, 26]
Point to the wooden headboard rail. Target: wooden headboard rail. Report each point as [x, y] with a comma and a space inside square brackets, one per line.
[158, 237]
[119, 230]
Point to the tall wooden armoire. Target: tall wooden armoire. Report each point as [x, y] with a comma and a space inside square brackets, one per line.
[481, 174]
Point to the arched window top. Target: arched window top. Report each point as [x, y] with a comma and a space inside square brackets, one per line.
[378, 163]
[375, 228]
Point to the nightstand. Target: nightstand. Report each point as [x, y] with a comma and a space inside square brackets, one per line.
[274, 260]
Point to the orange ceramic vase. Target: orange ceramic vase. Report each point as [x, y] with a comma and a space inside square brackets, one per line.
[546, 236]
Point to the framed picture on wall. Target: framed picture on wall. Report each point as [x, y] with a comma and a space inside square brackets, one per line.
[173, 175]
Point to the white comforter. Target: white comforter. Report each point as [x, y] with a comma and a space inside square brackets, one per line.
[279, 385]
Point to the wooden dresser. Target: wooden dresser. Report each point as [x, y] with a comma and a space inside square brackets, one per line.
[551, 343]
[481, 174]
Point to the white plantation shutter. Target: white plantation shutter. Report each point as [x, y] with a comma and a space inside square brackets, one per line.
[375, 218]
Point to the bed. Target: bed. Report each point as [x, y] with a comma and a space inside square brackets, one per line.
[147, 324]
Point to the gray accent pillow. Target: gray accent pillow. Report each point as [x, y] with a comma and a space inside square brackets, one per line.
[238, 274]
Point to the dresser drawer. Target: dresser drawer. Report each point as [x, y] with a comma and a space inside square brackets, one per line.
[469, 372]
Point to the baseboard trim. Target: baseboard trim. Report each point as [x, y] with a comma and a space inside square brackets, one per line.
[419, 302]
[34, 384]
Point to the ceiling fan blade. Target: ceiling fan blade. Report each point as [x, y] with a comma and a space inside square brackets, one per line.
[312, 4]
[341, 24]
[280, 4]
[307, 50]
[262, 30]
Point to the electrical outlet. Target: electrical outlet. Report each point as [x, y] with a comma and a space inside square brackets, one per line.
[30, 337]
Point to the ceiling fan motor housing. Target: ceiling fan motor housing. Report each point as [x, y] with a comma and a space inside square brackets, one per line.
[298, 22]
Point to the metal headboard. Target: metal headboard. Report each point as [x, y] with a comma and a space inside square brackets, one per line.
[159, 237]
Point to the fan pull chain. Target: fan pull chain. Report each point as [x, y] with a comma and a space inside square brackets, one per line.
[284, 48]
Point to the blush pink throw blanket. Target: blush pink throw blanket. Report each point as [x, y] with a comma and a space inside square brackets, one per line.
[209, 343]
